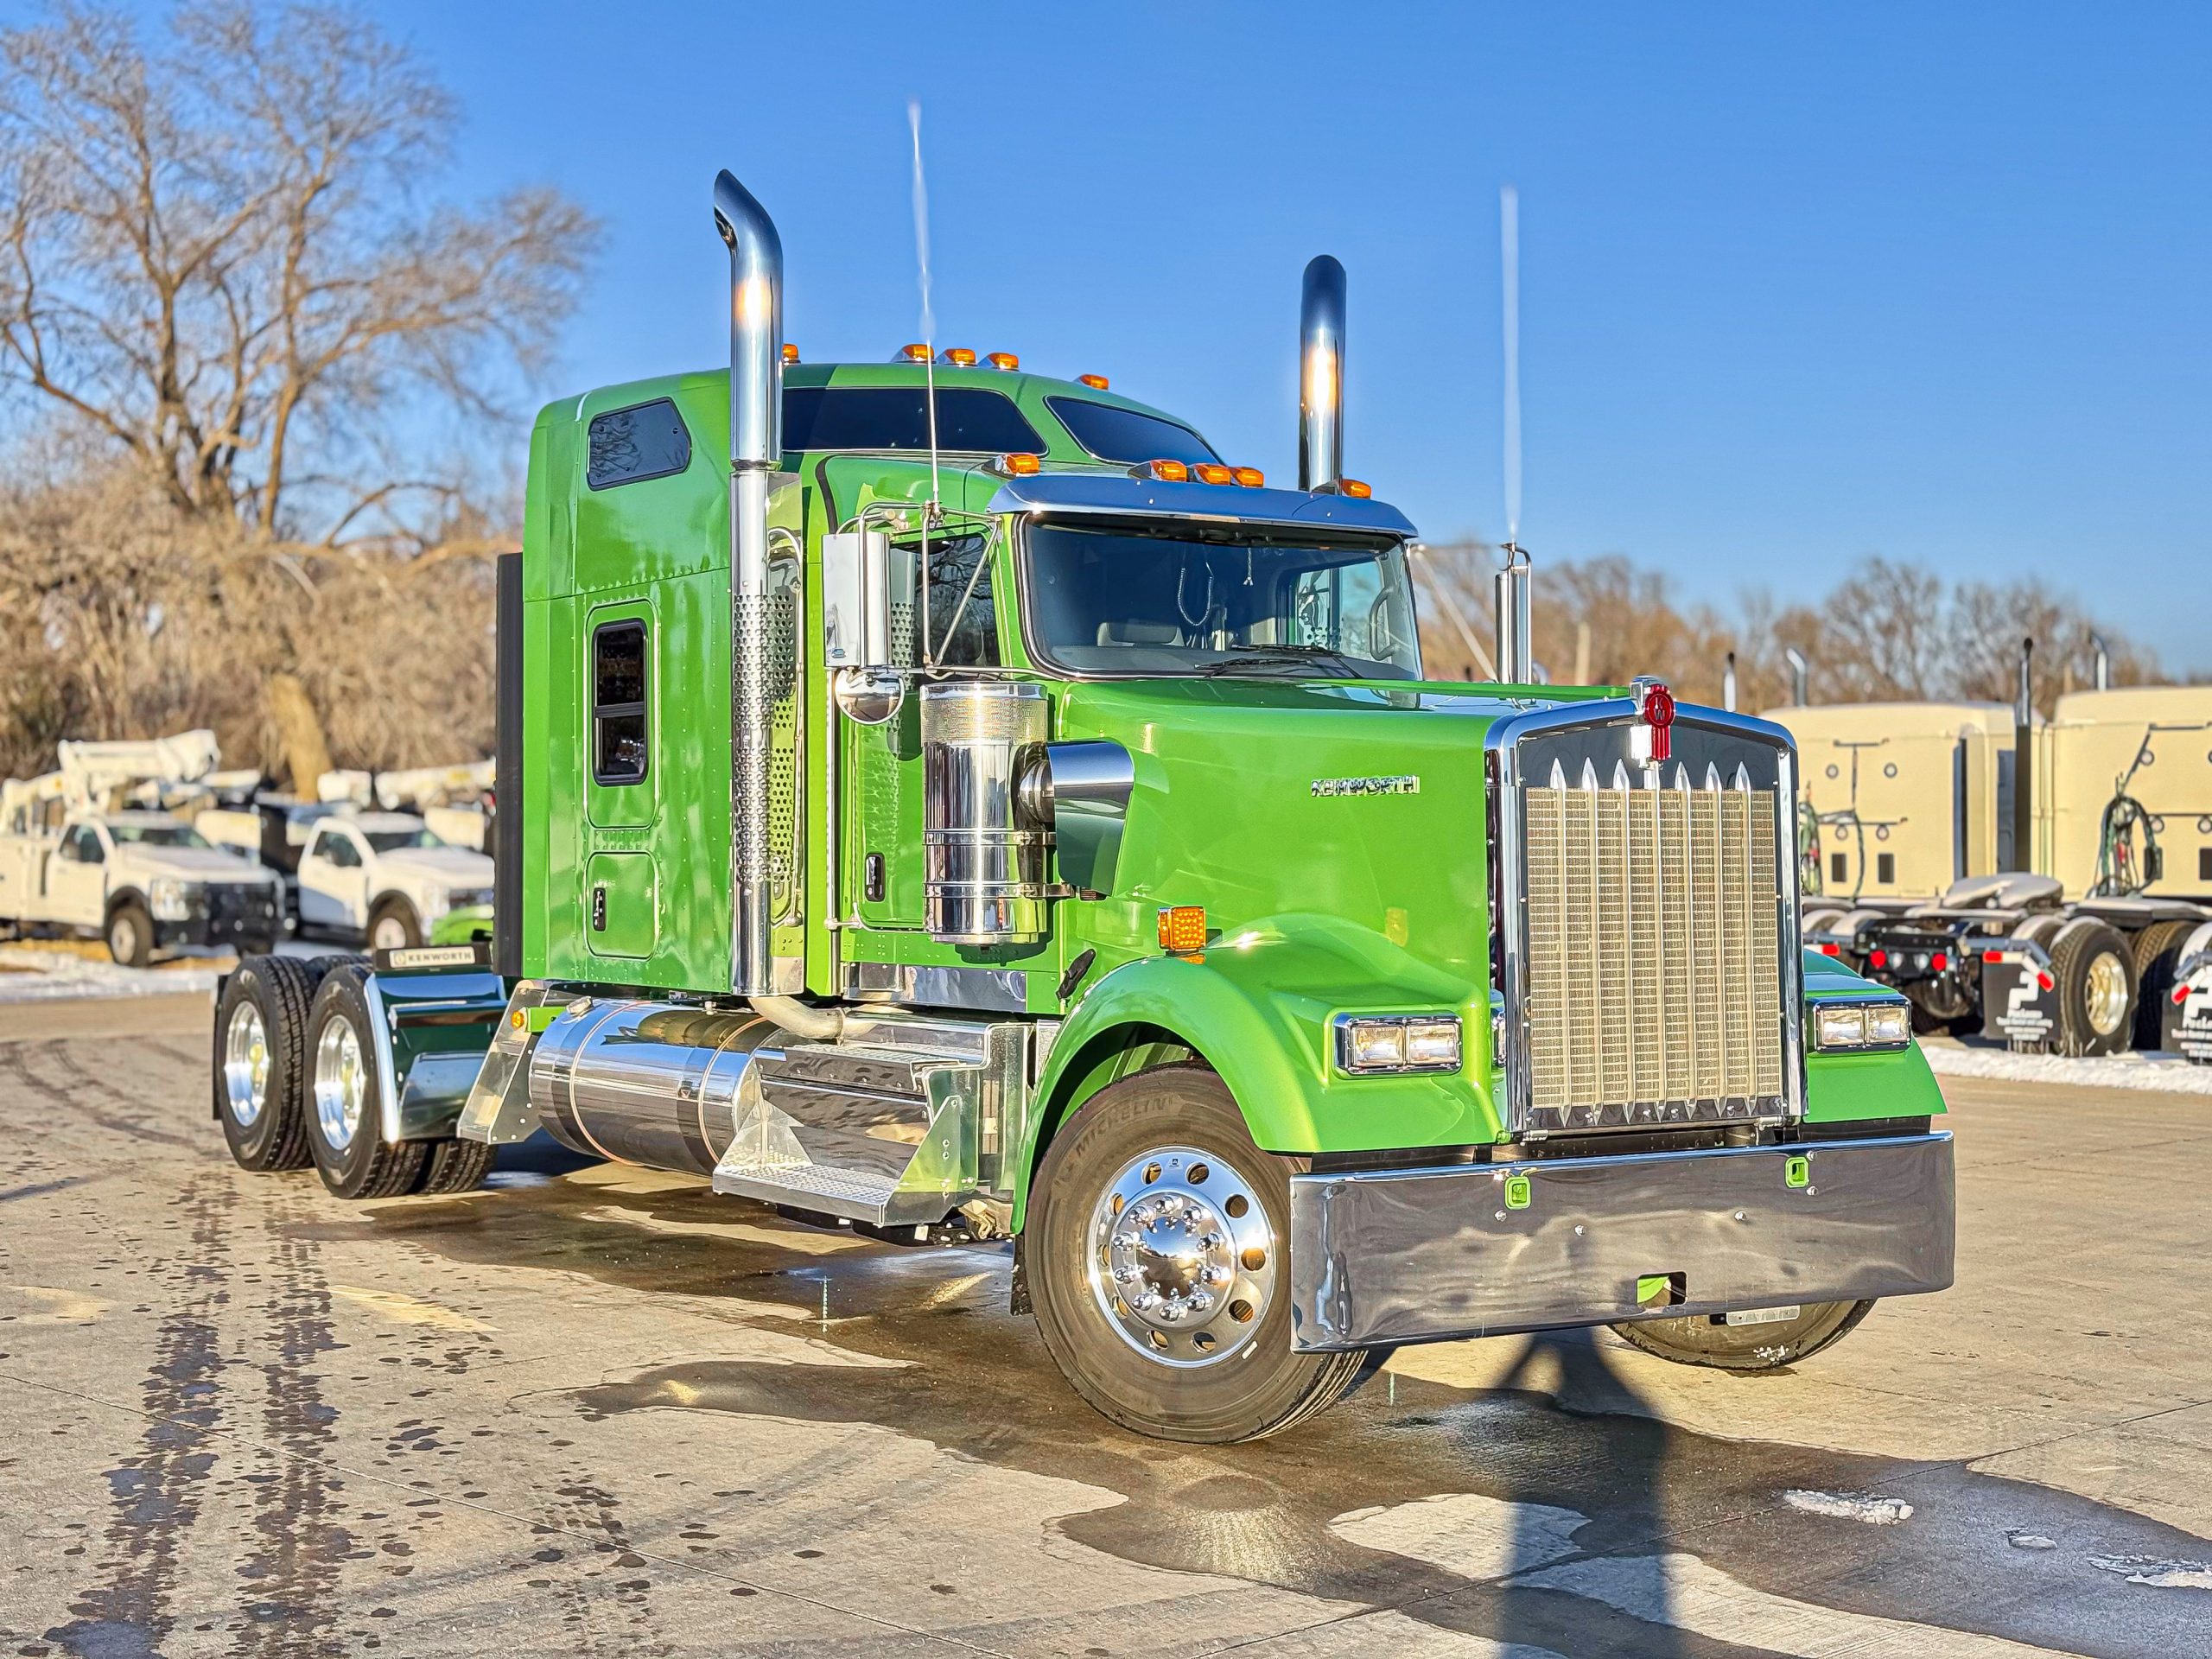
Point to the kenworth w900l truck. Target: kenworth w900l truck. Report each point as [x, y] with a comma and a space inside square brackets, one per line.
[977, 805]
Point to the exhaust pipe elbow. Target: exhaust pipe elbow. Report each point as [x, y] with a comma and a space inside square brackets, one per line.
[756, 325]
[800, 1018]
[1321, 375]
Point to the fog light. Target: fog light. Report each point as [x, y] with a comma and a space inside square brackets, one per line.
[1367, 1044]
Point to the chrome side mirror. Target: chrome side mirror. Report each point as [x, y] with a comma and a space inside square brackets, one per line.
[856, 611]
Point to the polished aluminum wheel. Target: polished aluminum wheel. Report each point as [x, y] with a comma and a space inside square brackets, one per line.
[1182, 1258]
[245, 1065]
[342, 1084]
[2105, 994]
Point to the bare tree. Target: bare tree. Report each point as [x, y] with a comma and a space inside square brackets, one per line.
[247, 351]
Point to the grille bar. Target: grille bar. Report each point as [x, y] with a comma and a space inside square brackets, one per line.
[1654, 988]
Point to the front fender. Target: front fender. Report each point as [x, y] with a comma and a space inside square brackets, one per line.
[1257, 1008]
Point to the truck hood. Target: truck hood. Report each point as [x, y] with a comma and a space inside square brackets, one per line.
[443, 867]
[1265, 799]
[188, 863]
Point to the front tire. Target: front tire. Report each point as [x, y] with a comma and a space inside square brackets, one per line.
[344, 1099]
[1156, 1251]
[1714, 1343]
[131, 934]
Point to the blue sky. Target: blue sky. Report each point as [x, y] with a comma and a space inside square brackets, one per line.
[1798, 287]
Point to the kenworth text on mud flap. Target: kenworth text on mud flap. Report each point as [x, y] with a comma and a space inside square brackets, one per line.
[1025, 821]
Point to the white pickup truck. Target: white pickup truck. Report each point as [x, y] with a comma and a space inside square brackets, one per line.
[144, 881]
[383, 878]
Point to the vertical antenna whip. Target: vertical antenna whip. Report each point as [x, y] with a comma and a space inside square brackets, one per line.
[922, 263]
[1509, 225]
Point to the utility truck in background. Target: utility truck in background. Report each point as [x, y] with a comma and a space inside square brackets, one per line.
[74, 860]
[384, 879]
[978, 807]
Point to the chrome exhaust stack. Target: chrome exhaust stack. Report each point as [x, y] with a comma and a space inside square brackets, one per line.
[1321, 376]
[756, 446]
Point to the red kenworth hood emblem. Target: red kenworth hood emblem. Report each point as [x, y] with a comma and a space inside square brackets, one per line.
[1659, 716]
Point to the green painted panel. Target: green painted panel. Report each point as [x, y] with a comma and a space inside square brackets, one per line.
[621, 903]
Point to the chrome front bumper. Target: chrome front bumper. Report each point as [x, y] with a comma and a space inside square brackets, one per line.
[1421, 1255]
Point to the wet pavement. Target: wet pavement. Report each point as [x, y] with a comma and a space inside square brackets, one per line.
[591, 1409]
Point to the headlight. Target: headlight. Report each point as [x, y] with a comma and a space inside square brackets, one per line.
[169, 898]
[1862, 1024]
[1370, 1043]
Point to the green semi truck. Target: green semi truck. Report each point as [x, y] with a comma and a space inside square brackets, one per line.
[945, 800]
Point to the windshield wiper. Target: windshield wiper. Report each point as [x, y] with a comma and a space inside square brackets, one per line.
[1298, 655]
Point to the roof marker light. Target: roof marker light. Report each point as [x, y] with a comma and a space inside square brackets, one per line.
[1211, 471]
[1020, 464]
[1004, 361]
[1096, 382]
[1354, 488]
[1164, 471]
[960, 357]
[1250, 477]
[917, 353]
[790, 352]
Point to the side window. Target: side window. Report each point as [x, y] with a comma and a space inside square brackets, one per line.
[963, 634]
[338, 847]
[628, 445]
[618, 703]
[84, 845]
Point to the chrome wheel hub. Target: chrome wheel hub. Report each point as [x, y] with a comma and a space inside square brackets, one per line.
[342, 1084]
[2106, 994]
[245, 1066]
[1182, 1257]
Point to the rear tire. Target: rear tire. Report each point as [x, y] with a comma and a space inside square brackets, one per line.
[1720, 1346]
[455, 1165]
[2158, 955]
[1167, 1152]
[342, 1104]
[2095, 971]
[393, 926]
[261, 1026]
[131, 934]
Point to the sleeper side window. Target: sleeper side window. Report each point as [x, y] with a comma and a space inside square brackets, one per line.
[618, 703]
[628, 445]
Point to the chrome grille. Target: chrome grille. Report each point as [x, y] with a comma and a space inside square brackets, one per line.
[1654, 967]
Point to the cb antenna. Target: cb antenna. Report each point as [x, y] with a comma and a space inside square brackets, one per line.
[1515, 656]
[922, 268]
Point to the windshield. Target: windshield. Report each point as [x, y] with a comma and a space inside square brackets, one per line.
[157, 834]
[1112, 434]
[1175, 600]
[391, 841]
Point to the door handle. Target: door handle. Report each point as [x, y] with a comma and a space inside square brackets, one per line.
[599, 910]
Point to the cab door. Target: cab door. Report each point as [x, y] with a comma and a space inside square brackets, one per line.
[334, 879]
[620, 892]
[76, 877]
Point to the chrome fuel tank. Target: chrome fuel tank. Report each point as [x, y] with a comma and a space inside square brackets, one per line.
[657, 1083]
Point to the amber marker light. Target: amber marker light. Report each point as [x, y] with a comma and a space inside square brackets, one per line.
[917, 353]
[1183, 929]
[1096, 382]
[790, 352]
[960, 357]
[1020, 464]
[1250, 477]
[1004, 361]
[1165, 471]
[1354, 488]
[1211, 471]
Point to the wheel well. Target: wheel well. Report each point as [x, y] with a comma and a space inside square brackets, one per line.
[389, 898]
[1108, 1056]
[118, 899]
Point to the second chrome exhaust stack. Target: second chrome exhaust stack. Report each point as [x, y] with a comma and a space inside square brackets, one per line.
[756, 446]
[1321, 376]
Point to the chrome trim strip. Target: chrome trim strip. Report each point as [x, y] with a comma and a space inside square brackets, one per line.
[985, 990]
[1467, 1250]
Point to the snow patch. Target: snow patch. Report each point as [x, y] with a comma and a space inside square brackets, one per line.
[57, 975]
[2164, 1072]
[1851, 1506]
[2163, 1575]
